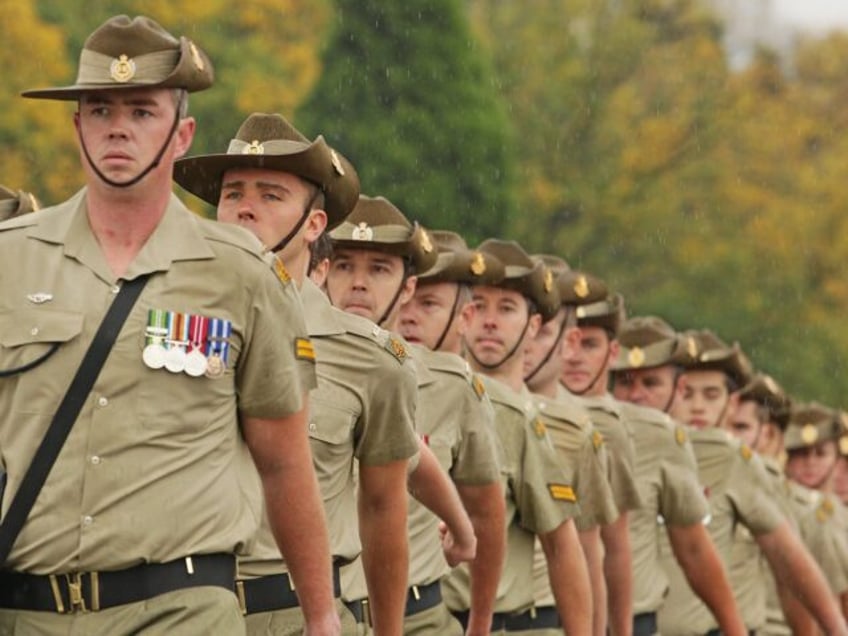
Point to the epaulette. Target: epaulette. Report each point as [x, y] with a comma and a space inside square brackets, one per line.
[478, 386]
[24, 220]
[539, 428]
[396, 348]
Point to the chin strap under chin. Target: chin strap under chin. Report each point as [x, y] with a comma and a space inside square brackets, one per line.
[548, 355]
[288, 237]
[595, 379]
[509, 354]
[146, 171]
[451, 318]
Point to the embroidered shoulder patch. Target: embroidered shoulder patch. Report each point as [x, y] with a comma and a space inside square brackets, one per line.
[478, 387]
[746, 452]
[562, 492]
[680, 435]
[303, 349]
[597, 440]
[539, 428]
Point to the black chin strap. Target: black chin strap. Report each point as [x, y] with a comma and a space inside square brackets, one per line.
[146, 171]
[511, 352]
[667, 406]
[548, 355]
[288, 237]
[393, 303]
[450, 321]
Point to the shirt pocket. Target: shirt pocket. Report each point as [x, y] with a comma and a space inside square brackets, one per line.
[332, 419]
[35, 347]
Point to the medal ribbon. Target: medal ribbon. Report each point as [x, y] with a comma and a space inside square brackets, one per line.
[157, 327]
[198, 327]
[219, 332]
[177, 329]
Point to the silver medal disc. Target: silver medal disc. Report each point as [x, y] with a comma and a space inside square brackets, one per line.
[154, 356]
[175, 358]
[195, 363]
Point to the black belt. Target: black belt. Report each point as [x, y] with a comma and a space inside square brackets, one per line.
[423, 597]
[93, 591]
[718, 632]
[545, 617]
[645, 624]
[273, 592]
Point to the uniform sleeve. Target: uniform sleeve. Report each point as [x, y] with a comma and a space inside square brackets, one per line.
[682, 501]
[621, 455]
[272, 376]
[476, 456]
[594, 494]
[751, 495]
[829, 548]
[386, 431]
[544, 491]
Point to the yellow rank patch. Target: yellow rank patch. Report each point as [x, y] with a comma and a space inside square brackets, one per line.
[396, 348]
[539, 427]
[825, 510]
[280, 270]
[303, 349]
[562, 492]
[597, 440]
[746, 453]
[477, 384]
[680, 435]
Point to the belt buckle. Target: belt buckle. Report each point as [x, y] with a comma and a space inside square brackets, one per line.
[76, 597]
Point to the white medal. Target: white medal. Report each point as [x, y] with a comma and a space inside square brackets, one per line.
[153, 356]
[195, 363]
[175, 359]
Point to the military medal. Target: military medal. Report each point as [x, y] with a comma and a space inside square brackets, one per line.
[195, 361]
[218, 347]
[155, 333]
[175, 356]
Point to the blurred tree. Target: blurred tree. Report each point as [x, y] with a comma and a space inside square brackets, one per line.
[407, 95]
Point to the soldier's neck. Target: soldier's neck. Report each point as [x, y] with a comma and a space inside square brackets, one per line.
[547, 388]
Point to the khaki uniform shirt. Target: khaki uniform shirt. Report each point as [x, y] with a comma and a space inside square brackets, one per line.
[455, 420]
[540, 497]
[606, 416]
[149, 470]
[738, 492]
[363, 408]
[671, 495]
[581, 451]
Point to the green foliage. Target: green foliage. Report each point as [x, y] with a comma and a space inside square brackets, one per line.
[407, 95]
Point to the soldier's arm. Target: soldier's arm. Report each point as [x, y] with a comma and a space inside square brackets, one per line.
[590, 541]
[431, 486]
[486, 508]
[700, 562]
[569, 578]
[382, 505]
[280, 450]
[618, 572]
[798, 619]
[793, 566]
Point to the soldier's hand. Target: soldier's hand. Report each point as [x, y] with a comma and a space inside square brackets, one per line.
[457, 548]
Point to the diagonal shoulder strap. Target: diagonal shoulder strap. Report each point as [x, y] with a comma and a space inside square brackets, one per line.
[67, 413]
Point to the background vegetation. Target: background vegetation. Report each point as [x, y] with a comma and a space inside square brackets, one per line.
[613, 133]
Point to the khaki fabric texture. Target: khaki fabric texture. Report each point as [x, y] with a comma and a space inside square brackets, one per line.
[458, 427]
[436, 620]
[581, 452]
[530, 468]
[606, 416]
[289, 622]
[363, 408]
[667, 476]
[737, 488]
[188, 612]
[149, 471]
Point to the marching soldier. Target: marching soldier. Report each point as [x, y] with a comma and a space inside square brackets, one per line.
[288, 191]
[139, 519]
[541, 501]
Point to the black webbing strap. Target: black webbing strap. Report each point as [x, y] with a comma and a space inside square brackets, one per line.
[67, 413]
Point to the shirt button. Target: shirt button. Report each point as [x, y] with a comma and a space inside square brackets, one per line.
[115, 289]
[95, 459]
[102, 401]
[312, 427]
[33, 331]
[87, 520]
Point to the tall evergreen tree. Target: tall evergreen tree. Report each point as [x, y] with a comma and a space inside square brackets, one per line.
[407, 94]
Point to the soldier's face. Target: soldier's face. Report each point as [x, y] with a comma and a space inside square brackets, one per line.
[502, 323]
[364, 282]
[548, 342]
[124, 130]
[435, 309]
[813, 466]
[587, 361]
[745, 424]
[269, 204]
[705, 400]
[654, 387]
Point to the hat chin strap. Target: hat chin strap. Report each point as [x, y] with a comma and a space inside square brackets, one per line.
[393, 303]
[288, 237]
[146, 171]
[548, 355]
[451, 318]
[509, 354]
[594, 380]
